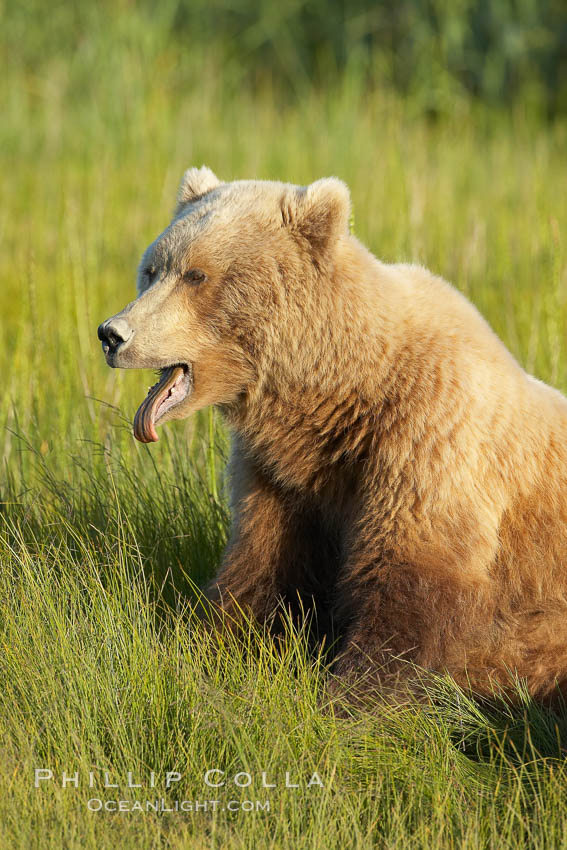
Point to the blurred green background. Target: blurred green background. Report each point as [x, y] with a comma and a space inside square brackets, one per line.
[448, 120]
[432, 50]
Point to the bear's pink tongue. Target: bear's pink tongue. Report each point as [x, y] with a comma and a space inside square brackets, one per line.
[144, 421]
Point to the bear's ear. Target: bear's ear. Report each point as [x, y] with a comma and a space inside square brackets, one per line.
[320, 211]
[195, 182]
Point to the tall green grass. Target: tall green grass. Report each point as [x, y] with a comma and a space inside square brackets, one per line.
[95, 679]
[103, 541]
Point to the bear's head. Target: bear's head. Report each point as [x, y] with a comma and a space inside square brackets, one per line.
[227, 292]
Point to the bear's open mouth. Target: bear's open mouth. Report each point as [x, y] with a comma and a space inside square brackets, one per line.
[173, 387]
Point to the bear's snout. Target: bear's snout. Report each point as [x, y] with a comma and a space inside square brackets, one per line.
[114, 334]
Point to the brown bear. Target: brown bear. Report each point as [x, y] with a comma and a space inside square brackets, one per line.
[392, 463]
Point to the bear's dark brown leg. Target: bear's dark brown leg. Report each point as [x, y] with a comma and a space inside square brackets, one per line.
[278, 552]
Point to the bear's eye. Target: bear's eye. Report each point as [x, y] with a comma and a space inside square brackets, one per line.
[150, 273]
[194, 276]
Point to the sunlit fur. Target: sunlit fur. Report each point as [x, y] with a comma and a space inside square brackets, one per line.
[391, 459]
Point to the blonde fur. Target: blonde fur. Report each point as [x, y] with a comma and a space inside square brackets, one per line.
[391, 459]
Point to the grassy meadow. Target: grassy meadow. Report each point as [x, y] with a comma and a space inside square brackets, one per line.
[102, 540]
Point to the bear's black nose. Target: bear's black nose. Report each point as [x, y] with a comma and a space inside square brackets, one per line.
[113, 333]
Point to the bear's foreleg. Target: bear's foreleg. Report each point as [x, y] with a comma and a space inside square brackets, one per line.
[278, 557]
